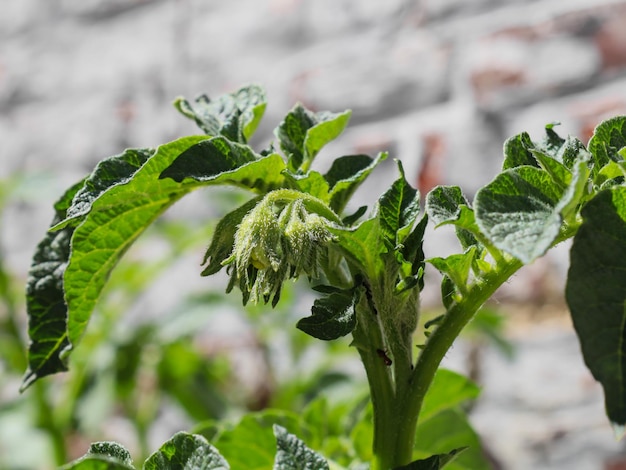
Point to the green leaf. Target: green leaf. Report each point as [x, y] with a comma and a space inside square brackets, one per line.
[446, 432]
[391, 229]
[218, 161]
[448, 390]
[443, 204]
[224, 237]
[293, 454]
[519, 212]
[332, 317]
[607, 140]
[346, 174]
[186, 452]
[103, 456]
[312, 183]
[251, 444]
[596, 295]
[362, 245]
[517, 152]
[398, 210]
[303, 133]
[235, 115]
[434, 462]
[115, 221]
[559, 173]
[456, 266]
[45, 302]
[447, 205]
[260, 176]
[552, 142]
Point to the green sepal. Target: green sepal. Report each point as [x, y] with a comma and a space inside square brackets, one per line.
[595, 293]
[186, 451]
[293, 454]
[234, 115]
[303, 133]
[332, 316]
[223, 239]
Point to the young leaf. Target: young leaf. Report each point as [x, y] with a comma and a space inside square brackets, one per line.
[456, 266]
[293, 454]
[303, 133]
[596, 295]
[434, 462]
[517, 152]
[607, 140]
[331, 317]
[448, 205]
[398, 209]
[519, 212]
[235, 115]
[103, 456]
[346, 174]
[186, 451]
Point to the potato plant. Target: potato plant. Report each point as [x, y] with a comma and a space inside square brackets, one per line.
[366, 266]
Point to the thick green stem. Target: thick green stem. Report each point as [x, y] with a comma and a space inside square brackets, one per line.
[442, 338]
[368, 339]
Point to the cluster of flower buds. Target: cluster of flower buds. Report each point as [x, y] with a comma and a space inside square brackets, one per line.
[276, 241]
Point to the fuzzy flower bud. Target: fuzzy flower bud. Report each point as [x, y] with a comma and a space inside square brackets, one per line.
[272, 245]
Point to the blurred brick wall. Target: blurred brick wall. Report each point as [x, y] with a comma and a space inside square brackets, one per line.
[439, 83]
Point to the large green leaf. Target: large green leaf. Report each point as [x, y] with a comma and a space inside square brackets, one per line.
[114, 222]
[293, 454]
[303, 133]
[519, 212]
[235, 115]
[109, 172]
[186, 451]
[45, 302]
[596, 295]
